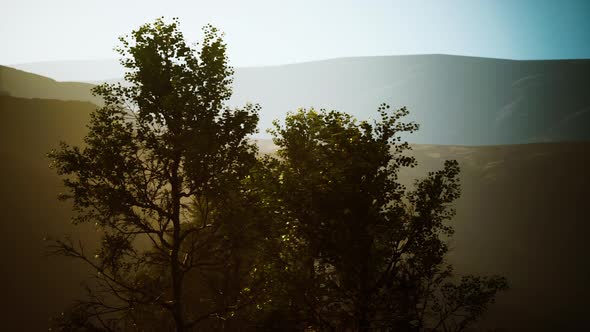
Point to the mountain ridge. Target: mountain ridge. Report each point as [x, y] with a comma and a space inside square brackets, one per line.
[18, 83]
[36, 65]
[458, 100]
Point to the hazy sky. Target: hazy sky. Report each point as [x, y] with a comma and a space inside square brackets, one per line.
[276, 32]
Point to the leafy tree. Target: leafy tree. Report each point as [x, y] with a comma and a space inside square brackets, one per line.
[197, 231]
[160, 172]
[358, 250]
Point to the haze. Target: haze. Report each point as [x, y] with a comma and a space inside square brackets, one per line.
[279, 32]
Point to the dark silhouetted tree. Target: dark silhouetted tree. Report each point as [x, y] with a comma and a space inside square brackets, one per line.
[161, 176]
[200, 233]
[356, 249]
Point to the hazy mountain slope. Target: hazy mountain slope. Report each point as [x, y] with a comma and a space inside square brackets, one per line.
[522, 214]
[18, 83]
[456, 99]
[35, 287]
[75, 70]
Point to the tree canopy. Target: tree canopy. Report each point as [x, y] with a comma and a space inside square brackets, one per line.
[199, 232]
[156, 172]
[358, 250]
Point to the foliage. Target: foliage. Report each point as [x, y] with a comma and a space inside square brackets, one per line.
[200, 233]
[163, 160]
[358, 249]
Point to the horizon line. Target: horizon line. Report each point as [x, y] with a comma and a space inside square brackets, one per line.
[327, 59]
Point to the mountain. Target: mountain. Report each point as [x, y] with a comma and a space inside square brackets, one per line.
[35, 286]
[457, 100]
[17, 83]
[522, 214]
[75, 70]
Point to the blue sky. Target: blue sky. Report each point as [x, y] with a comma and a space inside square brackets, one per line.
[277, 32]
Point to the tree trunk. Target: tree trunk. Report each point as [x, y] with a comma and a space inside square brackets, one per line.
[175, 268]
[363, 304]
[177, 310]
[365, 244]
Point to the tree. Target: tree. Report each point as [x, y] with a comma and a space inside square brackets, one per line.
[197, 231]
[358, 250]
[163, 162]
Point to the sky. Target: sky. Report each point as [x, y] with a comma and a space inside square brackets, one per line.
[278, 32]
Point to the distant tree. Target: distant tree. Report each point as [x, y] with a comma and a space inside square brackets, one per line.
[356, 250]
[161, 175]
